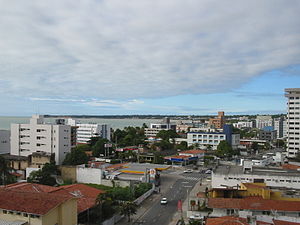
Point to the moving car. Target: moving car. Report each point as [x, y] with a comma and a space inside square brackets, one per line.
[163, 201]
[188, 171]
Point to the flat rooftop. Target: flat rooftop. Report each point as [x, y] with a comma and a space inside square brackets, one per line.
[268, 171]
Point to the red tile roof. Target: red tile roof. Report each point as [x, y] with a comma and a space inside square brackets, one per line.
[290, 167]
[226, 220]
[195, 151]
[86, 195]
[254, 203]
[39, 203]
[280, 222]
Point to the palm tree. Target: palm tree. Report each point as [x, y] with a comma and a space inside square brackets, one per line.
[4, 171]
[128, 208]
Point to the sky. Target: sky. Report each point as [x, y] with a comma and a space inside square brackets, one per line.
[111, 57]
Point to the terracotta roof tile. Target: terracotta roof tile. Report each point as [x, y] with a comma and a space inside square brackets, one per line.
[254, 203]
[226, 220]
[290, 167]
[194, 151]
[38, 203]
[86, 195]
[280, 222]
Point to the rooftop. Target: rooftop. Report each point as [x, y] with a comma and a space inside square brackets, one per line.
[86, 195]
[39, 203]
[192, 152]
[254, 203]
[226, 220]
[266, 171]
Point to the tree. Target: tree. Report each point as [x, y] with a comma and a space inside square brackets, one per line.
[224, 149]
[128, 208]
[98, 148]
[167, 134]
[182, 145]
[45, 175]
[76, 157]
[5, 176]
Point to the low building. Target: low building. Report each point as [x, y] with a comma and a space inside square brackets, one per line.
[254, 202]
[4, 141]
[210, 137]
[231, 176]
[37, 208]
[268, 135]
[155, 128]
[86, 196]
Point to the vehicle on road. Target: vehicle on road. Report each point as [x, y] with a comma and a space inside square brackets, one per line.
[163, 201]
[196, 217]
[188, 171]
[208, 172]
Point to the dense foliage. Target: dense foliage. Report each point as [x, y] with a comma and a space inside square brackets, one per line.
[45, 175]
[129, 136]
[5, 175]
[76, 157]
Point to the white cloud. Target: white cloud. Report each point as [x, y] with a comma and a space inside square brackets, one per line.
[115, 49]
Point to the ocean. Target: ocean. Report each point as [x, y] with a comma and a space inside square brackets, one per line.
[114, 123]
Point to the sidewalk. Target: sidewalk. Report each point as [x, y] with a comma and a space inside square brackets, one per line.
[146, 205]
[192, 195]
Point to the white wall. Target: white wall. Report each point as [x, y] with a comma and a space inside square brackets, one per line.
[88, 175]
[230, 180]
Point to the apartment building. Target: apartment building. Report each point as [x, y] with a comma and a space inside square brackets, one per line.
[280, 125]
[38, 136]
[244, 124]
[4, 141]
[217, 122]
[263, 121]
[154, 128]
[85, 131]
[293, 121]
[209, 136]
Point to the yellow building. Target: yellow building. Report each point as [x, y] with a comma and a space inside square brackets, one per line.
[37, 208]
[250, 190]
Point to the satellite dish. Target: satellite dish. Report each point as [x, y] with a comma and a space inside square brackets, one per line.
[59, 180]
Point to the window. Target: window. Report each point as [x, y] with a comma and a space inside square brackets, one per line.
[4, 212]
[25, 214]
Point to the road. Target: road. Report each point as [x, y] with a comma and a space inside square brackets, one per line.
[174, 187]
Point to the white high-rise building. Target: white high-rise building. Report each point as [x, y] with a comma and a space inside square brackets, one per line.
[88, 130]
[263, 121]
[293, 121]
[40, 137]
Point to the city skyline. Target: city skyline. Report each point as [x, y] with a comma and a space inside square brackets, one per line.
[170, 57]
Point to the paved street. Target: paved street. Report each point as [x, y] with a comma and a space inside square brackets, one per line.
[174, 186]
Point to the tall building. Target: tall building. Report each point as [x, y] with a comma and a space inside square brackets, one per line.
[217, 122]
[280, 127]
[263, 121]
[293, 121]
[40, 137]
[88, 130]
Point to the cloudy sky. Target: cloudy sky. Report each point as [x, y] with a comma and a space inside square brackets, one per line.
[147, 57]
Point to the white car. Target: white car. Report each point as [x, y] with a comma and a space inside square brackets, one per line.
[196, 217]
[188, 171]
[163, 201]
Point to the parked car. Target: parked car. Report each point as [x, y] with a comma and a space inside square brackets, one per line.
[188, 171]
[208, 172]
[163, 201]
[196, 217]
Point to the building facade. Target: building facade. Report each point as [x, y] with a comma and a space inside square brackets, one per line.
[4, 141]
[293, 121]
[154, 128]
[217, 122]
[85, 131]
[210, 137]
[280, 125]
[40, 137]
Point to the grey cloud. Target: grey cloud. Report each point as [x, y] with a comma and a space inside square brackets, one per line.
[137, 49]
